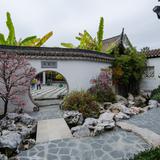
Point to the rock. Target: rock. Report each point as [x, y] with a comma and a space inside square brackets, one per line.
[28, 144]
[145, 94]
[107, 105]
[73, 117]
[130, 104]
[152, 104]
[116, 108]
[11, 140]
[121, 116]
[106, 121]
[140, 101]
[137, 110]
[90, 123]
[3, 157]
[130, 97]
[106, 125]
[107, 116]
[80, 131]
[98, 130]
[121, 99]
[26, 119]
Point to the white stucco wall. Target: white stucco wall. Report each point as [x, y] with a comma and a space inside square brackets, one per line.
[152, 83]
[77, 73]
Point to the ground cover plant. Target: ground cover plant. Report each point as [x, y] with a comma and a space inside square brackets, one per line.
[155, 94]
[152, 154]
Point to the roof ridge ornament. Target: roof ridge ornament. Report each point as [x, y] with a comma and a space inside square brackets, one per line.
[156, 9]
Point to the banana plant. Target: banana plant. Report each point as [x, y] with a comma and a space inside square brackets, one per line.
[28, 41]
[86, 41]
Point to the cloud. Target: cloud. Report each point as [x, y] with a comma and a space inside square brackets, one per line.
[67, 18]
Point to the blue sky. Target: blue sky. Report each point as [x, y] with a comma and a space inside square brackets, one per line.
[66, 18]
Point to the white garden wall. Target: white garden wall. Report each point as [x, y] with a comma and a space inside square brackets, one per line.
[151, 83]
[77, 73]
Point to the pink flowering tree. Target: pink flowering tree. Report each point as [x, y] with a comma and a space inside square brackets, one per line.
[15, 76]
[101, 87]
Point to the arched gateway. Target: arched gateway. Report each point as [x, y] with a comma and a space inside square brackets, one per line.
[76, 65]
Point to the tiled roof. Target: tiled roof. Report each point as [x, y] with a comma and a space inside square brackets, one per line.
[113, 40]
[153, 53]
[58, 53]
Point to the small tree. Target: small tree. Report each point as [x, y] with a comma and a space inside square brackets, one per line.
[15, 76]
[128, 70]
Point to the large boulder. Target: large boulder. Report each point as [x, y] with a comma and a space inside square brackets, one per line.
[14, 129]
[107, 105]
[130, 97]
[91, 123]
[106, 121]
[140, 101]
[3, 157]
[121, 99]
[73, 117]
[80, 131]
[121, 116]
[152, 104]
[11, 140]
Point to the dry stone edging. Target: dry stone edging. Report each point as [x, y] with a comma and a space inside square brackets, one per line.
[149, 136]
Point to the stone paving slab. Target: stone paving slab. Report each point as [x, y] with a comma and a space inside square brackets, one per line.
[49, 112]
[112, 145]
[53, 129]
[149, 136]
[149, 119]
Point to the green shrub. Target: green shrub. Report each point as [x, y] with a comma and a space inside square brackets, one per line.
[102, 94]
[156, 94]
[152, 154]
[83, 102]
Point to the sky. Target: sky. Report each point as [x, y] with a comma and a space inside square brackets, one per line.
[66, 18]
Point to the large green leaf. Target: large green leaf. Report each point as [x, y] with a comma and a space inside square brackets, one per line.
[2, 39]
[100, 34]
[68, 45]
[11, 40]
[29, 41]
[44, 39]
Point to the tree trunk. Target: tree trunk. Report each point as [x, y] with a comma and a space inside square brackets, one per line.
[5, 107]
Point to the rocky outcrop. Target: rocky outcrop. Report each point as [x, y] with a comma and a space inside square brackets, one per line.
[121, 116]
[15, 128]
[73, 118]
[80, 131]
[121, 99]
[3, 157]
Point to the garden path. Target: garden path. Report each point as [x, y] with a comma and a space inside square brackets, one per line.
[112, 145]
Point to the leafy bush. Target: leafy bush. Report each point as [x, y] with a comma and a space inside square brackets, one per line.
[156, 94]
[83, 102]
[101, 88]
[152, 154]
[128, 69]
